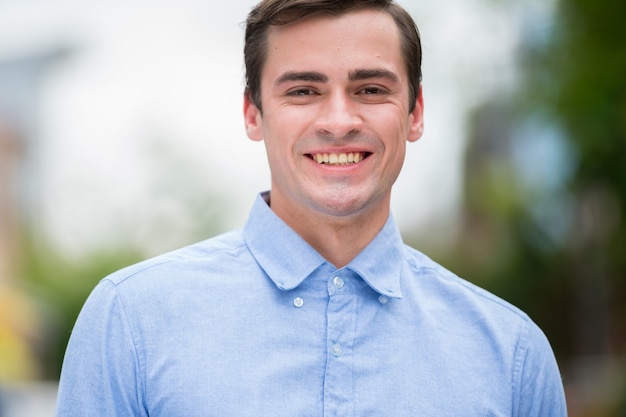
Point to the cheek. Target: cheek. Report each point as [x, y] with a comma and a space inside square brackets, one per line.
[286, 121]
[394, 134]
[394, 139]
[279, 151]
[397, 158]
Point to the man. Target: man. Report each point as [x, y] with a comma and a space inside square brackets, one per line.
[315, 308]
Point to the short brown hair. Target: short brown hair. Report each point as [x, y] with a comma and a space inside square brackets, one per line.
[282, 12]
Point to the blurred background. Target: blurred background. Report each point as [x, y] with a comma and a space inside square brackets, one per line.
[121, 137]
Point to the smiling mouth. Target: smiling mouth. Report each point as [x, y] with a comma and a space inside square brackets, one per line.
[345, 158]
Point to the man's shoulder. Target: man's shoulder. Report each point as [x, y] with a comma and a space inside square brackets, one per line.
[461, 296]
[185, 259]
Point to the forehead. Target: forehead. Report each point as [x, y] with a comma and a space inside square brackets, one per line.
[354, 40]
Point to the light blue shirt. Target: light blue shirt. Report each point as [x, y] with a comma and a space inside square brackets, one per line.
[257, 323]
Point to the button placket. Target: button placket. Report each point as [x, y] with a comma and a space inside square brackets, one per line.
[341, 322]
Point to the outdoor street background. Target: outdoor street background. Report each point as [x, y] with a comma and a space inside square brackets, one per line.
[121, 137]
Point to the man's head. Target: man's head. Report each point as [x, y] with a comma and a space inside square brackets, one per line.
[270, 13]
[338, 110]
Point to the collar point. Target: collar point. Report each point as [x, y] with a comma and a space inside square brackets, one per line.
[392, 293]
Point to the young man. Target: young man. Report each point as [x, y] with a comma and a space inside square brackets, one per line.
[315, 308]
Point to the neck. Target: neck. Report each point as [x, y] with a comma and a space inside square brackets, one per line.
[339, 239]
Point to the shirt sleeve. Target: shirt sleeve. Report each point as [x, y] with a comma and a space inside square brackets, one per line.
[100, 374]
[537, 378]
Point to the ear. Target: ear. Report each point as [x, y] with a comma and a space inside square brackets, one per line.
[416, 119]
[252, 118]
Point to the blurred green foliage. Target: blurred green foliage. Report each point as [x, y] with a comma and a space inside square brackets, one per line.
[545, 202]
[59, 288]
[544, 214]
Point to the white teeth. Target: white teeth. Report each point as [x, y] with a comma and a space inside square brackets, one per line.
[339, 159]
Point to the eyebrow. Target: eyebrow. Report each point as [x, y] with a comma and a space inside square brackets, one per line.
[309, 76]
[366, 74]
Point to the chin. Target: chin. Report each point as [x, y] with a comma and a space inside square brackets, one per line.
[342, 207]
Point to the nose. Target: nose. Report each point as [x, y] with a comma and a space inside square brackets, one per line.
[338, 117]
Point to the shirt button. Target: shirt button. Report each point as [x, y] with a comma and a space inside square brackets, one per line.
[383, 299]
[298, 302]
[336, 349]
[338, 282]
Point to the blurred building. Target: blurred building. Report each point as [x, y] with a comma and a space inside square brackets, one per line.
[20, 82]
[9, 158]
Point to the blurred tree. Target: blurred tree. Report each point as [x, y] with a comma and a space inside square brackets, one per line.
[544, 218]
[546, 185]
[579, 80]
[57, 288]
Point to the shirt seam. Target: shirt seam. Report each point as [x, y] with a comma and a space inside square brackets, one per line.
[128, 274]
[483, 294]
[521, 349]
[139, 358]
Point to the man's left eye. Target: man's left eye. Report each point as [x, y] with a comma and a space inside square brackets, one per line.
[372, 90]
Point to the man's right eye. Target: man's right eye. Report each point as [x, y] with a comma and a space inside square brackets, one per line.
[301, 92]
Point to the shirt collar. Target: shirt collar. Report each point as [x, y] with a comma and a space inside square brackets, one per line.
[380, 263]
[288, 259]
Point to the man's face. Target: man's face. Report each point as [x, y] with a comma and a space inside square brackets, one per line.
[335, 119]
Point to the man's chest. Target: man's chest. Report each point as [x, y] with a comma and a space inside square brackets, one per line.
[352, 354]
